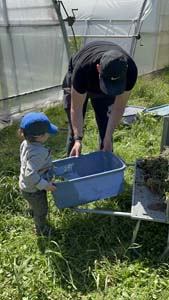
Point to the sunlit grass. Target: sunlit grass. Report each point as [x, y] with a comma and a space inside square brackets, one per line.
[89, 258]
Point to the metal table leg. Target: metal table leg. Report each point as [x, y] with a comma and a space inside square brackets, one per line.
[166, 250]
[135, 232]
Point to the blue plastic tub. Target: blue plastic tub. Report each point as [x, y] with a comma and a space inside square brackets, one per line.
[87, 178]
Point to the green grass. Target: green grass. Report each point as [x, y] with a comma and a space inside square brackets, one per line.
[90, 257]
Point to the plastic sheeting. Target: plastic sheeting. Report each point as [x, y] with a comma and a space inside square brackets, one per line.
[121, 21]
[32, 53]
[112, 20]
[107, 9]
[152, 51]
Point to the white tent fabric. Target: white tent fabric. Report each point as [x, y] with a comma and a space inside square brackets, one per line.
[31, 43]
[121, 21]
[33, 55]
[34, 52]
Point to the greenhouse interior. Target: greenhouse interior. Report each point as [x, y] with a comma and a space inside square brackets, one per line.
[35, 38]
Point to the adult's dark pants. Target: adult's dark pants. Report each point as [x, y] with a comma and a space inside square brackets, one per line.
[102, 108]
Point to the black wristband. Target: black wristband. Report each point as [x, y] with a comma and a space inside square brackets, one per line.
[78, 138]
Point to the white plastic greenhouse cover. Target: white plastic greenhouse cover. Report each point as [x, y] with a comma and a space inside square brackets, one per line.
[33, 55]
[121, 21]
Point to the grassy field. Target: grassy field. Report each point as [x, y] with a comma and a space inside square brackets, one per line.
[90, 257]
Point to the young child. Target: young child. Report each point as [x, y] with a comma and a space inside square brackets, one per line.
[36, 166]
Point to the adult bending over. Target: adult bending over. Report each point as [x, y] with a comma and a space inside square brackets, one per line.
[105, 73]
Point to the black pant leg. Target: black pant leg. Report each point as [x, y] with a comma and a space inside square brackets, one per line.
[101, 108]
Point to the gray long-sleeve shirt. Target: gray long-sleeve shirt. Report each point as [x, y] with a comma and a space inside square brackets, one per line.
[36, 164]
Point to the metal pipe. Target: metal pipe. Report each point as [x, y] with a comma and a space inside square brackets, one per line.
[104, 36]
[165, 134]
[137, 29]
[31, 92]
[62, 24]
[103, 212]
[13, 66]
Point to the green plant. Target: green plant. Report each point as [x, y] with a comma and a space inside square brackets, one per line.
[90, 256]
[10, 198]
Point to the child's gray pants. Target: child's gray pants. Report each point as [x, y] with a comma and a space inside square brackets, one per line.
[38, 203]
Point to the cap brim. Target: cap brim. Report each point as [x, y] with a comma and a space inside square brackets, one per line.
[112, 87]
[53, 129]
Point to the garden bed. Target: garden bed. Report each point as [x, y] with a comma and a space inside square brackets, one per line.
[156, 178]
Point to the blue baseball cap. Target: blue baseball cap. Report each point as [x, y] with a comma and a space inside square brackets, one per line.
[113, 72]
[36, 123]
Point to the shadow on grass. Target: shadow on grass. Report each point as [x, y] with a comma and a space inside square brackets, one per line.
[85, 244]
[81, 247]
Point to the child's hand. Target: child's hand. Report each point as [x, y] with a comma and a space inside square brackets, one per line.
[51, 187]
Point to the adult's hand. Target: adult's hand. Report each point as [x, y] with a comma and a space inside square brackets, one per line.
[76, 150]
[107, 144]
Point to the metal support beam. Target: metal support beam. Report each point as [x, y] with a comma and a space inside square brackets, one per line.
[165, 133]
[136, 35]
[166, 250]
[57, 5]
[133, 245]
[104, 212]
[9, 35]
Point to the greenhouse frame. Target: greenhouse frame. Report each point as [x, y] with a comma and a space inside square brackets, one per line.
[35, 48]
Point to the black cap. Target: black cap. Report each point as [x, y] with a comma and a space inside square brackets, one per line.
[113, 72]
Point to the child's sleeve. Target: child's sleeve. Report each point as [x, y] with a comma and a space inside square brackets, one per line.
[32, 175]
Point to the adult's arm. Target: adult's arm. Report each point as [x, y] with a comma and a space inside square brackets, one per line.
[114, 118]
[77, 101]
